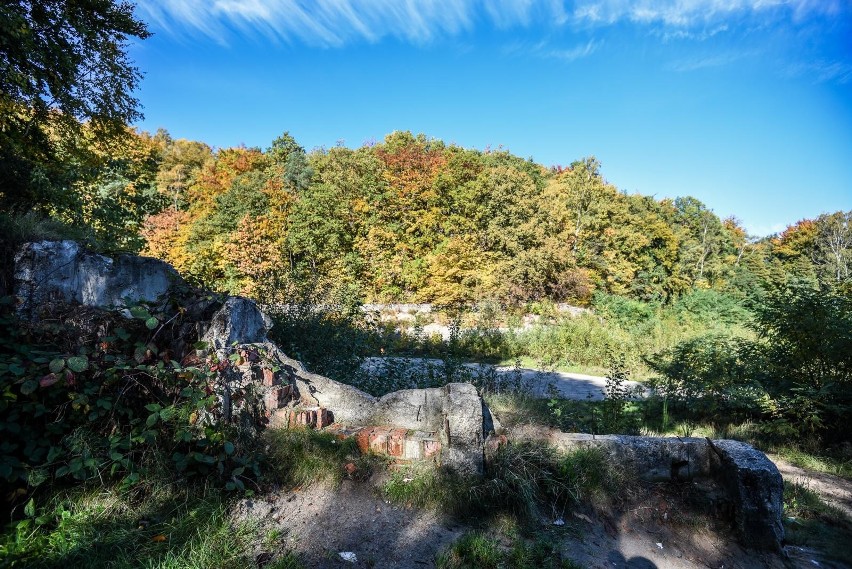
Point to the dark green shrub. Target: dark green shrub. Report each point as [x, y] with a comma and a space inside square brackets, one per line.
[107, 399]
[710, 308]
[709, 373]
[807, 355]
[624, 311]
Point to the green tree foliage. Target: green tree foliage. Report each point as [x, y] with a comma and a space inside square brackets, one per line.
[62, 64]
[798, 373]
[808, 353]
[833, 247]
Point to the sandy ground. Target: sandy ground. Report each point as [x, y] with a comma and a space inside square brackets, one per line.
[319, 523]
[655, 531]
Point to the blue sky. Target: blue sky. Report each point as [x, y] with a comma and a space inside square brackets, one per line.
[744, 104]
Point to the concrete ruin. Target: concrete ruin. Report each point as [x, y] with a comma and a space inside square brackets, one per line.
[738, 479]
[449, 425]
[446, 424]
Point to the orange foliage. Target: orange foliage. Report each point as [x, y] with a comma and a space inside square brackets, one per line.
[166, 235]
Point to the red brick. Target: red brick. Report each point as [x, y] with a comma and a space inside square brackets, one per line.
[279, 418]
[431, 448]
[362, 439]
[324, 418]
[272, 399]
[379, 440]
[396, 442]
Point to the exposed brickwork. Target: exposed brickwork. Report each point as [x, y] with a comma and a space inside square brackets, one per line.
[396, 442]
[400, 444]
[431, 448]
[324, 418]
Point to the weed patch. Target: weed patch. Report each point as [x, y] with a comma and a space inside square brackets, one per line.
[476, 550]
[528, 480]
[298, 457]
[174, 526]
[813, 523]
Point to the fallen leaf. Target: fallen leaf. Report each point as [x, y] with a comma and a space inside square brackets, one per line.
[159, 538]
[48, 380]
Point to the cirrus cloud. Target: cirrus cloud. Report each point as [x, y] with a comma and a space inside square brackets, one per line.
[335, 23]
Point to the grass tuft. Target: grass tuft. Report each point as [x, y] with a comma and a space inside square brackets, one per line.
[528, 480]
[300, 457]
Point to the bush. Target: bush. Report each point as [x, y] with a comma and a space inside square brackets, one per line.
[330, 342]
[807, 355]
[708, 373]
[105, 399]
[710, 308]
[624, 311]
[582, 340]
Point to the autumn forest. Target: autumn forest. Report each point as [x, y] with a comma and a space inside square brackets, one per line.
[413, 219]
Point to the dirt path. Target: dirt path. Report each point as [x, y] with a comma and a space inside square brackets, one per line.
[319, 523]
[539, 383]
[833, 490]
[568, 385]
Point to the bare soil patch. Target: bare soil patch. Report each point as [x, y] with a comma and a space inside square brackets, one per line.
[834, 490]
[659, 528]
[319, 522]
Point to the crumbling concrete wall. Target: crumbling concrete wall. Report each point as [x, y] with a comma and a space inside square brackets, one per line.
[749, 482]
[446, 424]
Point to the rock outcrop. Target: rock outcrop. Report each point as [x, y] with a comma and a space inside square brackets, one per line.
[238, 321]
[48, 272]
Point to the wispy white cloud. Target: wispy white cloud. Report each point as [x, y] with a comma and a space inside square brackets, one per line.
[820, 71]
[692, 13]
[339, 22]
[546, 50]
[700, 34]
[714, 60]
[570, 54]
[317, 22]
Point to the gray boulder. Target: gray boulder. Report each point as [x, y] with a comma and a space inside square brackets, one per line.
[239, 321]
[62, 271]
